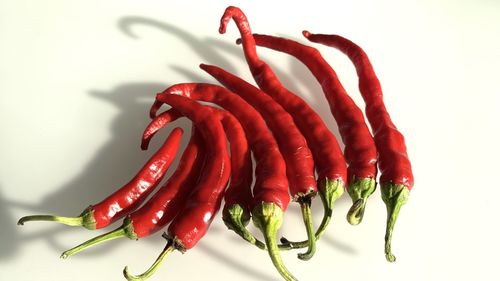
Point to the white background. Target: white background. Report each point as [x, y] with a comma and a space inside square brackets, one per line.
[75, 89]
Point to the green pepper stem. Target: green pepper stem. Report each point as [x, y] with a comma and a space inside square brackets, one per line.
[71, 221]
[359, 190]
[86, 219]
[356, 212]
[268, 217]
[394, 197]
[169, 248]
[305, 207]
[117, 233]
[236, 218]
[329, 191]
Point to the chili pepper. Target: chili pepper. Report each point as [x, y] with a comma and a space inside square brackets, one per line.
[127, 198]
[270, 190]
[238, 196]
[330, 163]
[164, 205]
[203, 203]
[239, 191]
[299, 162]
[360, 150]
[396, 177]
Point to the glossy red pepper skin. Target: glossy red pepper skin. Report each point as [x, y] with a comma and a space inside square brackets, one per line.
[396, 179]
[328, 156]
[240, 187]
[239, 190]
[395, 166]
[271, 184]
[203, 203]
[165, 204]
[293, 146]
[271, 196]
[132, 195]
[360, 150]
[129, 197]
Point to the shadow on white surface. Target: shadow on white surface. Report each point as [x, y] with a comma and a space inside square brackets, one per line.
[114, 164]
[198, 45]
[120, 158]
[9, 242]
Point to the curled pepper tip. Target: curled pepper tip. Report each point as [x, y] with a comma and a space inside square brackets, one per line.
[226, 17]
[306, 33]
[155, 107]
[169, 248]
[238, 41]
[356, 212]
[390, 257]
[145, 142]
[222, 29]
[130, 276]
[359, 190]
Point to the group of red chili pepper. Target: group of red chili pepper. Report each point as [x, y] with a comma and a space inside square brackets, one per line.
[288, 140]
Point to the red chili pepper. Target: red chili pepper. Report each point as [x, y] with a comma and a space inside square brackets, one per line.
[298, 158]
[164, 205]
[238, 197]
[270, 191]
[127, 198]
[203, 203]
[239, 191]
[360, 150]
[396, 177]
[330, 163]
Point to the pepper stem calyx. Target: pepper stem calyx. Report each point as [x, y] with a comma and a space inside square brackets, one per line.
[268, 217]
[236, 218]
[359, 190]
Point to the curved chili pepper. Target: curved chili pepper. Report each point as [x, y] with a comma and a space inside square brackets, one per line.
[396, 176]
[127, 198]
[164, 205]
[271, 197]
[360, 150]
[298, 158]
[238, 197]
[330, 163]
[203, 203]
[239, 192]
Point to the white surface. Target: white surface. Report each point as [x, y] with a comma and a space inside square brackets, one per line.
[75, 90]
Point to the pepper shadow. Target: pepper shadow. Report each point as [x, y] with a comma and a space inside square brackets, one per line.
[114, 164]
[9, 241]
[198, 45]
